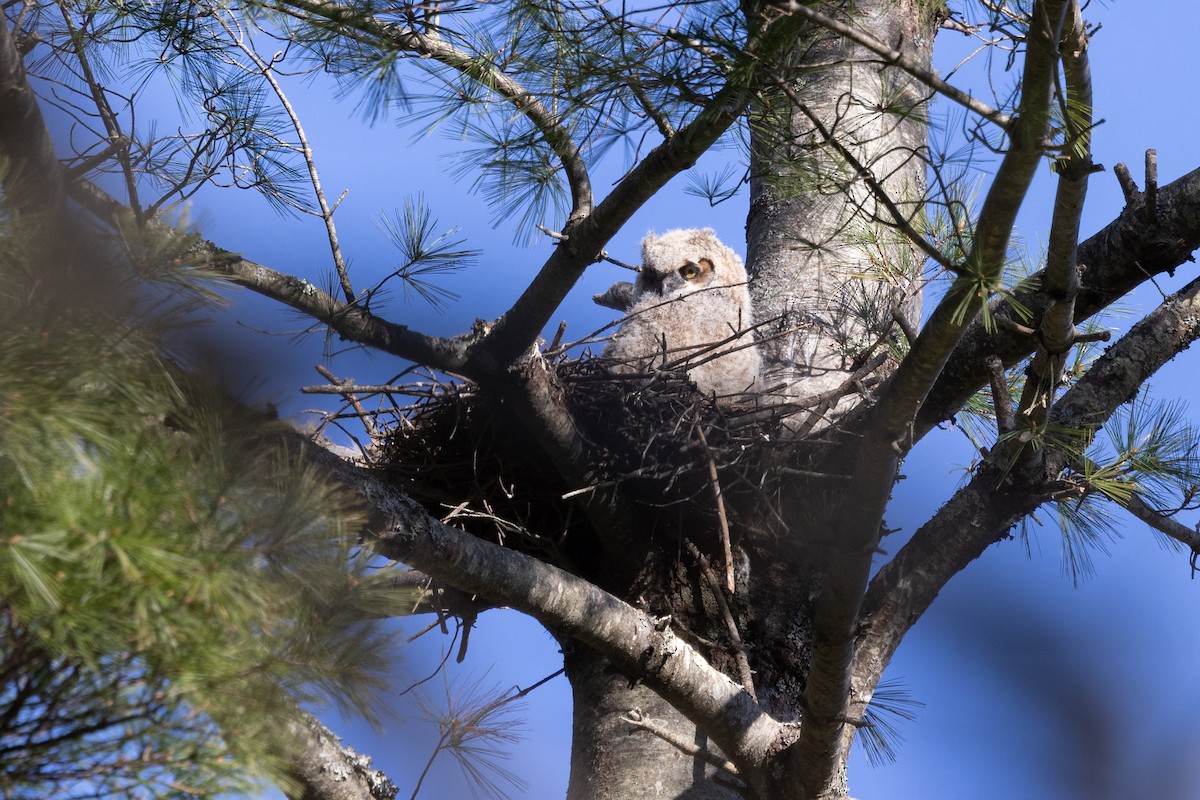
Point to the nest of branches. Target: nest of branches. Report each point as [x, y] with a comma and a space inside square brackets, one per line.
[689, 463]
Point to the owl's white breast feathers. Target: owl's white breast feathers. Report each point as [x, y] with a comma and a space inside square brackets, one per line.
[700, 311]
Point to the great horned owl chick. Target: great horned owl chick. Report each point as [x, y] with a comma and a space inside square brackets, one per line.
[690, 295]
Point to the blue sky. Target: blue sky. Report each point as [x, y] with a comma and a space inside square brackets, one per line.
[979, 661]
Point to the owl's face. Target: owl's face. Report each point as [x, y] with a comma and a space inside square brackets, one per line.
[668, 280]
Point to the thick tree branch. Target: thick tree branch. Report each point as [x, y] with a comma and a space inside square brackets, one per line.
[33, 182]
[1119, 373]
[907, 390]
[521, 324]
[643, 647]
[328, 770]
[519, 327]
[1057, 333]
[977, 516]
[886, 430]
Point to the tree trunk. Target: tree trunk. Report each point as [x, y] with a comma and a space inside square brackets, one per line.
[824, 253]
[615, 759]
[838, 168]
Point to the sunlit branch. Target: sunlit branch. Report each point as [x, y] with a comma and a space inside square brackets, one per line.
[268, 73]
[350, 321]
[895, 58]
[574, 607]
[383, 34]
[326, 768]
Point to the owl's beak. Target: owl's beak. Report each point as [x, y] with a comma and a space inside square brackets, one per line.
[651, 281]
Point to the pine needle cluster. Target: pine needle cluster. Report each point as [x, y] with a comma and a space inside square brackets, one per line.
[175, 581]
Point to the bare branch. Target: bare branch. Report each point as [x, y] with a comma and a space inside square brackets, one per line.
[638, 720]
[643, 647]
[1128, 186]
[1188, 537]
[326, 213]
[978, 515]
[1151, 195]
[1118, 374]
[350, 321]
[1001, 399]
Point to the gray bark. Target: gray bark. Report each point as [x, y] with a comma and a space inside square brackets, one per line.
[325, 769]
[815, 226]
[611, 755]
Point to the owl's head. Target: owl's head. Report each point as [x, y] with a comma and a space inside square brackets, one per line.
[686, 260]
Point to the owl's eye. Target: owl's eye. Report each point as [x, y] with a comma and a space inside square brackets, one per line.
[689, 272]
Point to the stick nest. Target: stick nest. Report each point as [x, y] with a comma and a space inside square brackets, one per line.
[474, 464]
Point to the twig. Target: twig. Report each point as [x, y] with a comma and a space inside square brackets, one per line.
[872, 183]
[1128, 186]
[635, 718]
[350, 397]
[375, 32]
[523, 692]
[660, 119]
[1152, 186]
[326, 213]
[735, 637]
[722, 518]
[558, 336]
[1001, 398]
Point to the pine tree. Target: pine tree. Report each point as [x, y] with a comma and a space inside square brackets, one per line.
[722, 583]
